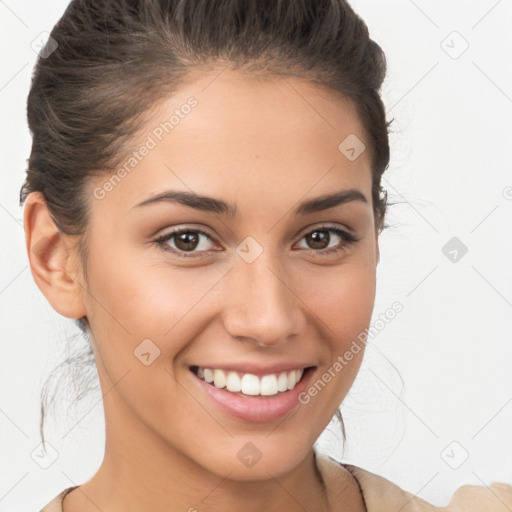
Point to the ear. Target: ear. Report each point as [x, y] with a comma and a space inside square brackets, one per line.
[54, 266]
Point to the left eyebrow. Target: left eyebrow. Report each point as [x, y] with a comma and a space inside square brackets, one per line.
[330, 201]
[210, 204]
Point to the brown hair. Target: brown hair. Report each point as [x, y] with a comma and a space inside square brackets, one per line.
[117, 58]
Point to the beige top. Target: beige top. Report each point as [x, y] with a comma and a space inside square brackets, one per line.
[381, 495]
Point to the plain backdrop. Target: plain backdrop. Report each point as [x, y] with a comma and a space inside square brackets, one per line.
[446, 259]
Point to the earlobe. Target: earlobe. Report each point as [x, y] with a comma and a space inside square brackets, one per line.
[52, 264]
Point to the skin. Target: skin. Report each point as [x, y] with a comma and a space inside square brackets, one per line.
[264, 145]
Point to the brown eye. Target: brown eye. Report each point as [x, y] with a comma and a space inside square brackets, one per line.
[319, 239]
[185, 241]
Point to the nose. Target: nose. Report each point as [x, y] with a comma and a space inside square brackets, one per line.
[260, 303]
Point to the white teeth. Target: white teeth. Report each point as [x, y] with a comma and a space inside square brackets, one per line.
[251, 384]
[282, 382]
[219, 378]
[233, 382]
[291, 380]
[268, 385]
[208, 374]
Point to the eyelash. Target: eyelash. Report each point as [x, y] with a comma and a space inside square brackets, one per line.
[348, 239]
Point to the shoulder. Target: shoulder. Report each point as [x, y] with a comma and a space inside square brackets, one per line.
[382, 495]
[56, 504]
[496, 497]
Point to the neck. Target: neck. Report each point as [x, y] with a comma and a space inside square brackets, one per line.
[140, 475]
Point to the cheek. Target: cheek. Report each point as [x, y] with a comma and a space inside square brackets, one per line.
[342, 297]
[135, 299]
[139, 294]
[143, 308]
[340, 301]
[170, 306]
[343, 301]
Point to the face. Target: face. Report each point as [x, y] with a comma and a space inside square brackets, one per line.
[258, 286]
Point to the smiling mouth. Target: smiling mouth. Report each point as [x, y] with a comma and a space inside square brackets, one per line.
[247, 384]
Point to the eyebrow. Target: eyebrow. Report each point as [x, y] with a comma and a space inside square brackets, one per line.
[210, 204]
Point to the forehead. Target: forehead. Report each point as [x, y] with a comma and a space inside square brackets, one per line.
[226, 134]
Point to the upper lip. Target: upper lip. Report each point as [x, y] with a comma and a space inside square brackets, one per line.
[256, 369]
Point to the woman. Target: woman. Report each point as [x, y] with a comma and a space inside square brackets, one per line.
[255, 133]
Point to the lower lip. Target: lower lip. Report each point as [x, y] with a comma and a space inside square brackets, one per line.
[256, 409]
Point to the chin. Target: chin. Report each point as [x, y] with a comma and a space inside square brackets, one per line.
[256, 459]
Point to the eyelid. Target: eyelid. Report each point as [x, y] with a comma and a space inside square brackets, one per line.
[304, 231]
[325, 225]
[185, 227]
[345, 233]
